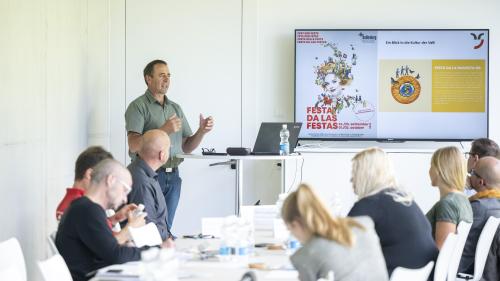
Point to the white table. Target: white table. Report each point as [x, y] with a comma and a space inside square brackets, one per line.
[212, 269]
[238, 160]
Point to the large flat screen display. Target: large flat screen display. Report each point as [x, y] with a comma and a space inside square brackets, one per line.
[392, 84]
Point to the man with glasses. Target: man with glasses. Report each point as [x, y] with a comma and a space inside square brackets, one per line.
[485, 180]
[84, 238]
[84, 166]
[480, 148]
[153, 110]
[146, 190]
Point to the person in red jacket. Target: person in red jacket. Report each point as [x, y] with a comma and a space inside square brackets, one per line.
[87, 160]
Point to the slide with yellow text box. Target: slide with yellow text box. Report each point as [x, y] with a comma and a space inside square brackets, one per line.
[458, 86]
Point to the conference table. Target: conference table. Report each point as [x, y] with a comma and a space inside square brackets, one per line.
[191, 267]
[239, 161]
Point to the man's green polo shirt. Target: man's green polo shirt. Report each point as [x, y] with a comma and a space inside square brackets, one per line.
[145, 113]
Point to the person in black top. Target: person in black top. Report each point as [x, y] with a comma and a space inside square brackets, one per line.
[485, 179]
[405, 233]
[84, 239]
[146, 189]
[492, 266]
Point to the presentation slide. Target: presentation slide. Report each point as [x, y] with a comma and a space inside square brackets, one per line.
[391, 84]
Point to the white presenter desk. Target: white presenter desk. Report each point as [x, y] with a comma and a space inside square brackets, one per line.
[238, 161]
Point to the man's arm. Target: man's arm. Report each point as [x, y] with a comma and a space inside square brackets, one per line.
[143, 193]
[191, 143]
[153, 215]
[134, 142]
[134, 125]
[97, 236]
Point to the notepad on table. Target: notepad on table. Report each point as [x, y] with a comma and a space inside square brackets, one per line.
[147, 235]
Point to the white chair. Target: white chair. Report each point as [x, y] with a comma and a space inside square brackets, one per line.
[12, 266]
[462, 234]
[444, 257]
[51, 239]
[407, 274]
[482, 249]
[54, 269]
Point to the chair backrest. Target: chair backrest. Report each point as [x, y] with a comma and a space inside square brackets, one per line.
[483, 246]
[12, 266]
[51, 239]
[54, 269]
[444, 257]
[407, 274]
[462, 234]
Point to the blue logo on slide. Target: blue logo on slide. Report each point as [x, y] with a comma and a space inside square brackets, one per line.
[406, 89]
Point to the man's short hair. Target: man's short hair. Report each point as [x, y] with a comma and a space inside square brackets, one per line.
[89, 158]
[485, 147]
[148, 70]
[103, 169]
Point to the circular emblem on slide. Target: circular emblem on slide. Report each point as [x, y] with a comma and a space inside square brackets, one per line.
[406, 89]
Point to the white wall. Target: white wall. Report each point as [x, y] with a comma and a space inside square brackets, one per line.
[268, 59]
[269, 50]
[64, 74]
[53, 88]
[200, 40]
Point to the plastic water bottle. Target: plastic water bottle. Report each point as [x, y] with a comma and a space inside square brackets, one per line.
[244, 244]
[284, 144]
[224, 249]
[116, 227]
[292, 244]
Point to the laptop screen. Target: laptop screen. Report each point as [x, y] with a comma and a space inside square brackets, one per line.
[268, 139]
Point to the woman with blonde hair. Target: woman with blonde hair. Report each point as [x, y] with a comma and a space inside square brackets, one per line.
[347, 246]
[448, 172]
[404, 232]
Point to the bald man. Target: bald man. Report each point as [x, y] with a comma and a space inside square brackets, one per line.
[84, 238]
[480, 148]
[485, 180]
[154, 152]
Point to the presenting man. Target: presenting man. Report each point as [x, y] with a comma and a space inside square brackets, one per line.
[146, 189]
[154, 110]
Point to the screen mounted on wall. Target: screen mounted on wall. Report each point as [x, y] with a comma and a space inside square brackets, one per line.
[392, 84]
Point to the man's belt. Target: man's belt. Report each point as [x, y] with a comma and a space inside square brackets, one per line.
[169, 170]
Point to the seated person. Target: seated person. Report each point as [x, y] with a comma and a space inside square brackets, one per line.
[492, 267]
[84, 238]
[485, 180]
[479, 148]
[347, 246]
[404, 231]
[83, 169]
[153, 154]
[448, 173]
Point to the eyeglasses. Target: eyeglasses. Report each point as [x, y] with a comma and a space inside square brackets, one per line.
[468, 154]
[127, 187]
[473, 173]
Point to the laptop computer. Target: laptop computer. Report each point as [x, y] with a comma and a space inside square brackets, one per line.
[268, 139]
